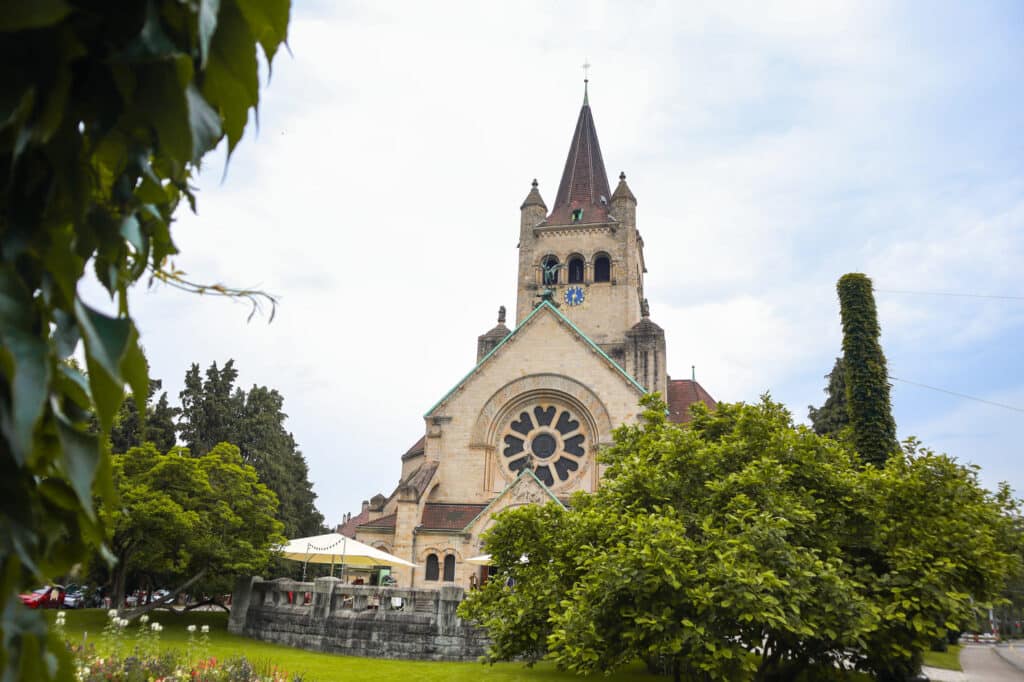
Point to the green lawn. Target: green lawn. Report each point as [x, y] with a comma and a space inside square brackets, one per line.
[950, 660]
[87, 625]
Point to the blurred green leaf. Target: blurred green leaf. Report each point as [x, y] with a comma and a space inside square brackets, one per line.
[18, 15]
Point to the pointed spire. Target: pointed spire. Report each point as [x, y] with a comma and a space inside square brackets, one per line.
[623, 191]
[534, 198]
[584, 184]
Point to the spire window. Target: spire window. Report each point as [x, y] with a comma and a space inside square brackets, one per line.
[576, 270]
[602, 269]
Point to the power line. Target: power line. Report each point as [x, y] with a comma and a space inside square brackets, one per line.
[959, 395]
[948, 293]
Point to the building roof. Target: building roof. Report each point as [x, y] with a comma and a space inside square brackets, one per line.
[682, 393]
[349, 527]
[417, 448]
[383, 523]
[444, 516]
[584, 180]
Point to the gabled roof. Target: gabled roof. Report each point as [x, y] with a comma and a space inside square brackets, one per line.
[448, 516]
[584, 180]
[382, 523]
[517, 481]
[543, 306]
[682, 393]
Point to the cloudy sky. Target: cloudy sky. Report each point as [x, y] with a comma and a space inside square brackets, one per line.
[771, 150]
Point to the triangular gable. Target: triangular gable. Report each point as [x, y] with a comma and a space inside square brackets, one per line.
[517, 489]
[565, 321]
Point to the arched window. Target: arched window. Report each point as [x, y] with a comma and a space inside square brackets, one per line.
[449, 568]
[432, 567]
[602, 269]
[576, 270]
[549, 265]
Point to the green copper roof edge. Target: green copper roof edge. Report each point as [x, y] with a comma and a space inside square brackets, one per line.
[506, 489]
[522, 324]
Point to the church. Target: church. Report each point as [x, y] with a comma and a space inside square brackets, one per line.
[525, 425]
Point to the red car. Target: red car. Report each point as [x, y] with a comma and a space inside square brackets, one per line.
[49, 597]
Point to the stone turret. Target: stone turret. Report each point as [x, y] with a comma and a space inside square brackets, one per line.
[645, 354]
[485, 343]
[623, 202]
[533, 209]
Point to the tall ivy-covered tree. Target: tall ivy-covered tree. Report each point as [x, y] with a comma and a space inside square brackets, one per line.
[833, 416]
[214, 410]
[106, 110]
[867, 378]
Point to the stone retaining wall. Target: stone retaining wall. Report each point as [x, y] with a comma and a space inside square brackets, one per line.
[380, 622]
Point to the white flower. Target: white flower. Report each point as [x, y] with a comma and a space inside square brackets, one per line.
[155, 627]
[122, 623]
[112, 613]
[206, 629]
[143, 619]
[191, 628]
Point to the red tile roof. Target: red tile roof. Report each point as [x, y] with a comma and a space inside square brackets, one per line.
[443, 516]
[682, 393]
[584, 180]
[384, 523]
[349, 527]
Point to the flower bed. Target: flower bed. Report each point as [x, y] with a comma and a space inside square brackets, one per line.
[134, 655]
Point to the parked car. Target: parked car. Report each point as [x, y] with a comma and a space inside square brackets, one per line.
[48, 597]
[74, 596]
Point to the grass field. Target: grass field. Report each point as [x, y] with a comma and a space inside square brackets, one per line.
[87, 625]
[950, 660]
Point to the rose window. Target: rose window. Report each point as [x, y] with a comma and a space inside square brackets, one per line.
[548, 438]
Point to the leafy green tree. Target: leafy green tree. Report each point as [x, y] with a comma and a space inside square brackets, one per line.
[106, 110]
[190, 518]
[740, 533]
[833, 416]
[867, 379]
[214, 410]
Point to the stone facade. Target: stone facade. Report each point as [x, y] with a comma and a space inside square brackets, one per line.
[526, 424]
[354, 620]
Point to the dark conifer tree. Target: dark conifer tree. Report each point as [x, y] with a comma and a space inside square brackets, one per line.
[833, 415]
[215, 411]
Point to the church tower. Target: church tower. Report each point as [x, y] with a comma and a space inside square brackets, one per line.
[526, 425]
[586, 255]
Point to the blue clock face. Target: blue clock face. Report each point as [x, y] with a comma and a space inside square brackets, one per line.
[574, 295]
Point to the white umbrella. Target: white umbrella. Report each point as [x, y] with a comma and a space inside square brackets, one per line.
[486, 560]
[334, 548]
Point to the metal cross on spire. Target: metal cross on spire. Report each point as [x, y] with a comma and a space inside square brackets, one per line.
[586, 80]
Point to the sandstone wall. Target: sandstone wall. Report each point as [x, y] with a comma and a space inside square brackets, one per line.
[356, 620]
